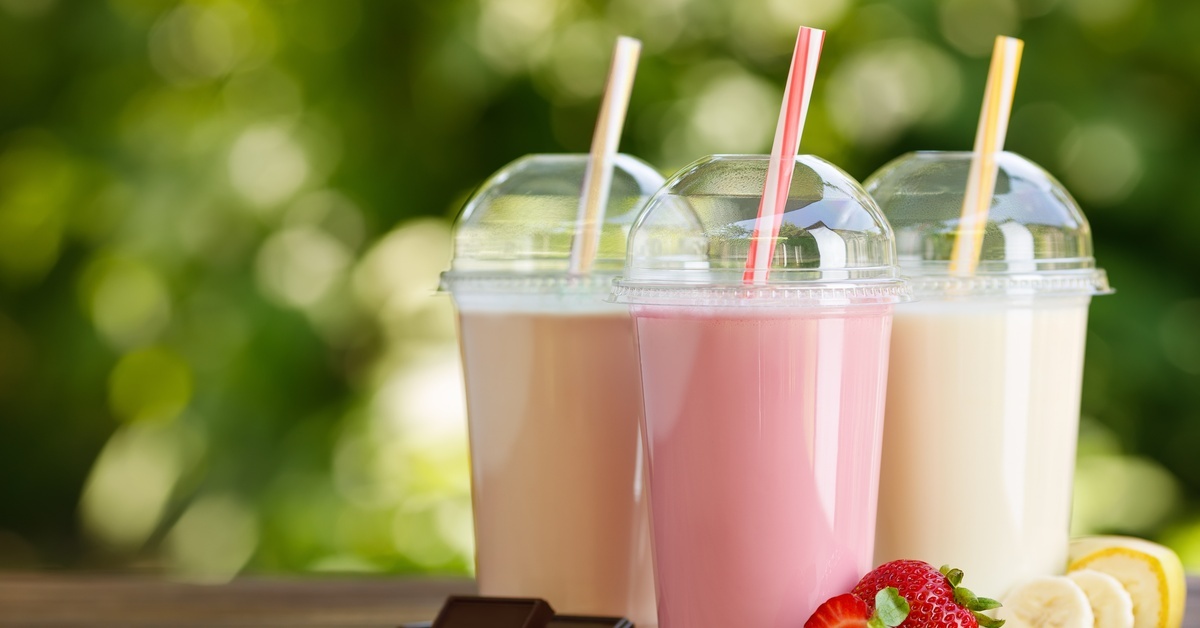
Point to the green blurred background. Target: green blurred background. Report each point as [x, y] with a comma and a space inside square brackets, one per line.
[221, 224]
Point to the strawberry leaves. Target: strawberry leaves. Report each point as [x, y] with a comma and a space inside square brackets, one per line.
[891, 609]
[965, 598]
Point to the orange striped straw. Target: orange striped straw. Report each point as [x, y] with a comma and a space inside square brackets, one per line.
[796, 97]
[598, 176]
[989, 142]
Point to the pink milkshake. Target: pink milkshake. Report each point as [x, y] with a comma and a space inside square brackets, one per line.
[763, 404]
[761, 470]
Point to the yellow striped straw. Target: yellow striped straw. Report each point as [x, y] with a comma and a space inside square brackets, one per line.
[989, 142]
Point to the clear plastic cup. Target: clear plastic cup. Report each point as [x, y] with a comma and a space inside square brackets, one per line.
[553, 396]
[763, 403]
[983, 403]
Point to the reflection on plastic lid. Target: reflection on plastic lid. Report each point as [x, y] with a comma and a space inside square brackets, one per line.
[690, 244]
[515, 232]
[1036, 239]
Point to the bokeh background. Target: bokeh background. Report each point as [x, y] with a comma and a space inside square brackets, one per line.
[221, 224]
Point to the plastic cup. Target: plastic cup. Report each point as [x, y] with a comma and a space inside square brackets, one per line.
[763, 403]
[983, 403]
[553, 396]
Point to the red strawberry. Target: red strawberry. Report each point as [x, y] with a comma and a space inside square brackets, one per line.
[848, 611]
[933, 595]
[843, 611]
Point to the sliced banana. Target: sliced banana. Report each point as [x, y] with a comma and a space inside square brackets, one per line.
[1047, 602]
[1111, 604]
[1151, 573]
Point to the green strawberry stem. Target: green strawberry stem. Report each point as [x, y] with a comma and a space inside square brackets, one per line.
[965, 598]
[891, 609]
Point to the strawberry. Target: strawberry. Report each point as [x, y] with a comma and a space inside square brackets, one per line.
[934, 597]
[848, 611]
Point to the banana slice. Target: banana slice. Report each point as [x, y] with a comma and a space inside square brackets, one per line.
[1047, 602]
[1111, 603]
[1150, 572]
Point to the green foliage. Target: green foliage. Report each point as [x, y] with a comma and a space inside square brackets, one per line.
[221, 222]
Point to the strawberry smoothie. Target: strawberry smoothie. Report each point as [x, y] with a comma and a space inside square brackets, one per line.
[764, 430]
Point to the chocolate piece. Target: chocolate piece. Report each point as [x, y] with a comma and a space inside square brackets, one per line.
[576, 621]
[493, 612]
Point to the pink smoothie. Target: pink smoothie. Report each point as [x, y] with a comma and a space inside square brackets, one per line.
[764, 432]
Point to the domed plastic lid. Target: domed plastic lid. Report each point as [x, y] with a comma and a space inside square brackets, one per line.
[690, 244]
[515, 234]
[1036, 240]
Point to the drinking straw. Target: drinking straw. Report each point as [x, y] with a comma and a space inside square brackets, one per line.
[989, 141]
[598, 175]
[796, 97]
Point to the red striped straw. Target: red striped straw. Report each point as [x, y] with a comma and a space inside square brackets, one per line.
[796, 97]
[598, 176]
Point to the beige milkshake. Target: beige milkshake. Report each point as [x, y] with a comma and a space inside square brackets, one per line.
[979, 439]
[553, 394]
[553, 403]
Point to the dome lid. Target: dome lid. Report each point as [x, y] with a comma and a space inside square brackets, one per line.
[1036, 239]
[690, 243]
[516, 231]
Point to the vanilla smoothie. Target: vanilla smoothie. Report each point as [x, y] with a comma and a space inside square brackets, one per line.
[982, 420]
[986, 370]
[553, 402]
[763, 435]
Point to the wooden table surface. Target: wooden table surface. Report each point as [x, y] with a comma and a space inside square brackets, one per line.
[135, 602]
[31, 601]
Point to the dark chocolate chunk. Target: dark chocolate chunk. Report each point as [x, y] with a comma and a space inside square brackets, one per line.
[493, 612]
[575, 621]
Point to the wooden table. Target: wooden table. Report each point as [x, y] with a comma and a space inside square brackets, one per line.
[134, 602]
[32, 601]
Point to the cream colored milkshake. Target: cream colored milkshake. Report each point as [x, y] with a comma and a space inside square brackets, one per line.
[982, 414]
[553, 403]
[981, 423]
